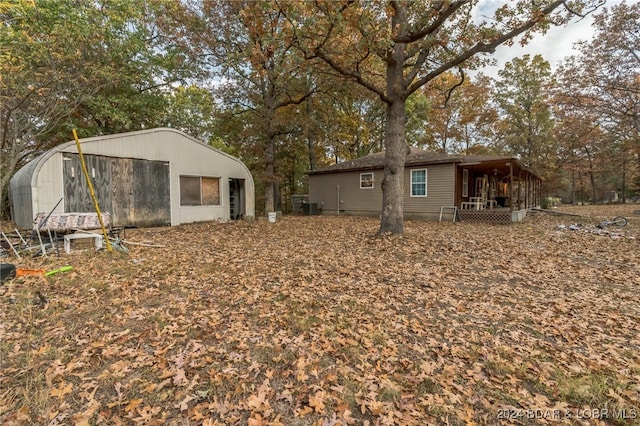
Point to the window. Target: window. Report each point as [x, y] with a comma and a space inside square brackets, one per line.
[465, 182]
[199, 191]
[366, 180]
[419, 183]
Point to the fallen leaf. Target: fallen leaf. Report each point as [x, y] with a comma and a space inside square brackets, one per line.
[63, 389]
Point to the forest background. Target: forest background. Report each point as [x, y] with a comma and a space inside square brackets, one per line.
[232, 75]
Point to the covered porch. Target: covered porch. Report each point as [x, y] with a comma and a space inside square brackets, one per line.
[496, 190]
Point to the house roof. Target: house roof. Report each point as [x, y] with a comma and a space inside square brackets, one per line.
[415, 157]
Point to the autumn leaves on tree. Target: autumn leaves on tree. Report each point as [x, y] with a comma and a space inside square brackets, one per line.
[289, 86]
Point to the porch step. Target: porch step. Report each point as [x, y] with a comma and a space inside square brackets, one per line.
[497, 216]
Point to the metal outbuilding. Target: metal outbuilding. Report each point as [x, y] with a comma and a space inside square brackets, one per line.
[152, 177]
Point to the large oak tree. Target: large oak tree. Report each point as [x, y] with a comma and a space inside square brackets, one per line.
[393, 48]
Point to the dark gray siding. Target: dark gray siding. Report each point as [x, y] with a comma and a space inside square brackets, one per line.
[440, 190]
[325, 188]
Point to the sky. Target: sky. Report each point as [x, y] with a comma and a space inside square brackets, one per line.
[554, 46]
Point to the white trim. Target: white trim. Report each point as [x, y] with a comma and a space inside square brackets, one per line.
[411, 183]
[465, 183]
[373, 176]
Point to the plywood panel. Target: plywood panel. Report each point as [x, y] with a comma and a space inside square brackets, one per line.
[76, 191]
[151, 193]
[210, 191]
[122, 192]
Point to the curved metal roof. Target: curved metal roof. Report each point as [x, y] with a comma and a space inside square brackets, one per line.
[25, 175]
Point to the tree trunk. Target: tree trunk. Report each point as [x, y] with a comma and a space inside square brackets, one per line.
[8, 166]
[624, 176]
[269, 174]
[592, 176]
[310, 134]
[277, 196]
[269, 151]
[392, 221]
[392, 217]
[573, 187]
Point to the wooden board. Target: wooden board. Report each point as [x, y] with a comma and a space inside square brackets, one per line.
[136, 192]
[122, 192]
[151, 193]
[77, 198]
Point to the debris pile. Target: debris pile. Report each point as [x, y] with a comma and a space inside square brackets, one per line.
[614, 234]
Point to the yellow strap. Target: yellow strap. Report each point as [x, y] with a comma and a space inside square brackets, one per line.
[93, 195]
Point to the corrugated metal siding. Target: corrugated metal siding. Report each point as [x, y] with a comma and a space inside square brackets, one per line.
[184, 154]
[323, 190]
[20, 193]
[47, 186]
[187, 157]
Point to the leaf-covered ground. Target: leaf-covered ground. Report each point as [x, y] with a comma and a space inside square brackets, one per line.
[313, 320]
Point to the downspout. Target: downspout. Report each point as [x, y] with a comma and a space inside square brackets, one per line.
[338, 199]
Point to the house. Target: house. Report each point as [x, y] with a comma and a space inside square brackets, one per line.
[152, 177]
[482, 188]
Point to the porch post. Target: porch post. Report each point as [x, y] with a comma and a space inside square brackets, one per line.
[510, 164]
[526, 190]
[533, 191]
[520, 189]
[539, 191]
[530, 191]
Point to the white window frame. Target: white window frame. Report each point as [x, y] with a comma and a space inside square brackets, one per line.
[425, 183]
[372, 180]
[465, 183]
